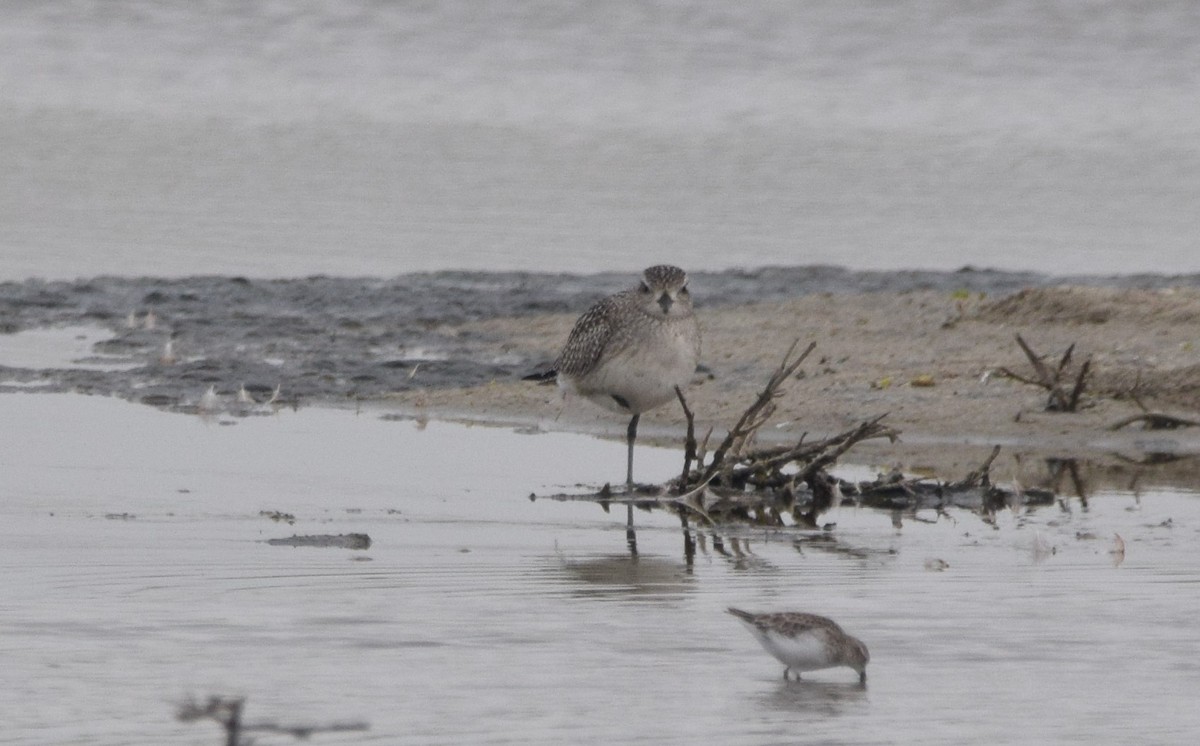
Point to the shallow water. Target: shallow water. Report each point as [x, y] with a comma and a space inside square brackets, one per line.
[136, 574]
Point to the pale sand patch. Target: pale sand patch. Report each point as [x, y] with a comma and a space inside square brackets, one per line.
[874, 350]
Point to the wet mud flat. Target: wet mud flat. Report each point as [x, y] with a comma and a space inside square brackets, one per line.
[926, 350]
[324, 339]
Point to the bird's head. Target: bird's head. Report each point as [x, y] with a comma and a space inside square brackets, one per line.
[664, 292]
[857, 657]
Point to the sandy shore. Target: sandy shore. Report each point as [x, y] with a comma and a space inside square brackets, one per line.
[926, 349]
[928, 359]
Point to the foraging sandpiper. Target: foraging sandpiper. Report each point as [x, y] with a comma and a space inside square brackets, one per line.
[806, 642]
[630, 351]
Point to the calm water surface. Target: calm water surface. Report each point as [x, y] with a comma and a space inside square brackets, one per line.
[371, 138]
[135, 574]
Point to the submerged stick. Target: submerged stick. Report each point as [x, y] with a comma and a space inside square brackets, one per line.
[227, 712]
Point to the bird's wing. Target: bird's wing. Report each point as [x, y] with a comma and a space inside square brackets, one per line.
[588, 338]
[794, 623]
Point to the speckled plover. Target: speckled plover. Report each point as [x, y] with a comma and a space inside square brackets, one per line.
[630, 351]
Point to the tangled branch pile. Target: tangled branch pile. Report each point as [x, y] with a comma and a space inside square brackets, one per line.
[742, 482]
[742, 479]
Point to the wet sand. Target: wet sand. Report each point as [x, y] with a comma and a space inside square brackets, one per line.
[924, 348]
[930, 360]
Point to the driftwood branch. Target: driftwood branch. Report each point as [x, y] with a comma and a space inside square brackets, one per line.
[974, 491]
[1080, 383]
[740, 479]
[757, 414]
[805, 499]
[762, 485]
[979, 477]
[1155, 421]
[1060, 398]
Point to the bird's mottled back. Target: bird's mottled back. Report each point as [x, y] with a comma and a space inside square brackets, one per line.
[788, 623]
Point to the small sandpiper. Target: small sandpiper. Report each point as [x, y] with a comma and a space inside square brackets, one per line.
[806, 642]
[630, 351]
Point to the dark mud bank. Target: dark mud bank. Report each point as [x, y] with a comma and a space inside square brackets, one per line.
[329, 340]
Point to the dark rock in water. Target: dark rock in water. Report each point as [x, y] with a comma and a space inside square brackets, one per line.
[338, 541]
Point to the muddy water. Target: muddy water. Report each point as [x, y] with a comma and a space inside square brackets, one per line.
[136, 574]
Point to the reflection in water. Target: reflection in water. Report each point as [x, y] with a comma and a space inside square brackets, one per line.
[1063, 469]
[736, 546]
[820, 697]
[738, 552]
[620, 574]
[467, 625]
[1042, 482]
[731, 544]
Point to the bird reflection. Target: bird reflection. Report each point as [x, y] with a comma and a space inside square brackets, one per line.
[824, 697]
[622, 575]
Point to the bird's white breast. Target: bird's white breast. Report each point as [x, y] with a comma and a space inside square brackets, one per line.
[644, 375]
[806, 651]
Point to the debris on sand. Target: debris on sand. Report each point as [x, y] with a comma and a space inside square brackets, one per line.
[1053, 380]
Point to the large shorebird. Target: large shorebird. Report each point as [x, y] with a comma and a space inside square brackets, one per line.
[630, 351]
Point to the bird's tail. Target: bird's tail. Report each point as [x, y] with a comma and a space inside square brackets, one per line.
[743, 615]
[542, 376]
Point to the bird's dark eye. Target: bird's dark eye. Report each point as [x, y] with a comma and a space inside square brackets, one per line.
[683, 290]
[644, 288]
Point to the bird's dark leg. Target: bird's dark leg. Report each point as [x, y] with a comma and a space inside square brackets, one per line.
[631, 435]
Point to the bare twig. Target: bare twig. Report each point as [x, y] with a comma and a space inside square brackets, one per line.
[758, 412]
[979, 476]
[689, 444]
[838, 445]
[1051, 381]
[1064, 362]
[1077, 390]
[1038, 366]
[702, 451]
